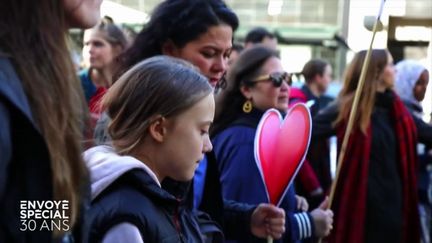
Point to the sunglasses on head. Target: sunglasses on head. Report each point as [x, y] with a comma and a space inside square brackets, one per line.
[276, 78]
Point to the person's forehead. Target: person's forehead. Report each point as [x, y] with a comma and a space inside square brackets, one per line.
[217, 35]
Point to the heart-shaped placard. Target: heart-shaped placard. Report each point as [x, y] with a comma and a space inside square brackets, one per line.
[280, 148]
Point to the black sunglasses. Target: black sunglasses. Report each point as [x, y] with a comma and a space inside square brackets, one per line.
[276, 78]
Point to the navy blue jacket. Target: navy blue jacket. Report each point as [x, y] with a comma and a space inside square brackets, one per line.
[234, 217]
[240, 177]
[425, 159]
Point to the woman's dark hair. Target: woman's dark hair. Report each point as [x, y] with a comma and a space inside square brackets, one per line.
[237, 47]
[314, 67]
[257, 35]
[178, 21]
[158, 86]
[230, 100]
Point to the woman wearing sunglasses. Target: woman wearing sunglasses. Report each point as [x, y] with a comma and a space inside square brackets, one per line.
[255, 83]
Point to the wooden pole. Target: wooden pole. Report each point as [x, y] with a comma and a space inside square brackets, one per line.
[354, 107]
[353, 114]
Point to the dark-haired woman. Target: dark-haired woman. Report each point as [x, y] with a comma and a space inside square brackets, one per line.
[256, 83]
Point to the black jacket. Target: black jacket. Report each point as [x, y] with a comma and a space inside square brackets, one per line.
[25, 171]
[233, 217]
[136, 198]
[25, 167]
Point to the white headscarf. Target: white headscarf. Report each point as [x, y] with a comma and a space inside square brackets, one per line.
[408, 72]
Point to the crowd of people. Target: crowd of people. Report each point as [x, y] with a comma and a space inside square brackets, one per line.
[153, 140]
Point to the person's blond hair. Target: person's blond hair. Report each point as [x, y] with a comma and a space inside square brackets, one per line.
[158, 86]
[378, 62]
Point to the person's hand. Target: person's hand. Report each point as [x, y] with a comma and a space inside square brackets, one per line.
[302, 204]
[323, 219]
[268, 220]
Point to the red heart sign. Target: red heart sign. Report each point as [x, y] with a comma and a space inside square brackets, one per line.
[280, 148]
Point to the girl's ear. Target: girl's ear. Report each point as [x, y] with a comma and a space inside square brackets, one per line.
[157, 129]
[170, 49]
[246, 91]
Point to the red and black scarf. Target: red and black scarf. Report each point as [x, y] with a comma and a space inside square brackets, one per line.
[349, 205]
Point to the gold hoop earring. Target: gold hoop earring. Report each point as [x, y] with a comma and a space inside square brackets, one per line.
[247, 106]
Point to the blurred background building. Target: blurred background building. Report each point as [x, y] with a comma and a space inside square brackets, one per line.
[329, 29]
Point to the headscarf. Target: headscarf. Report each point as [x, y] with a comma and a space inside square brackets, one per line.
[408, 73]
